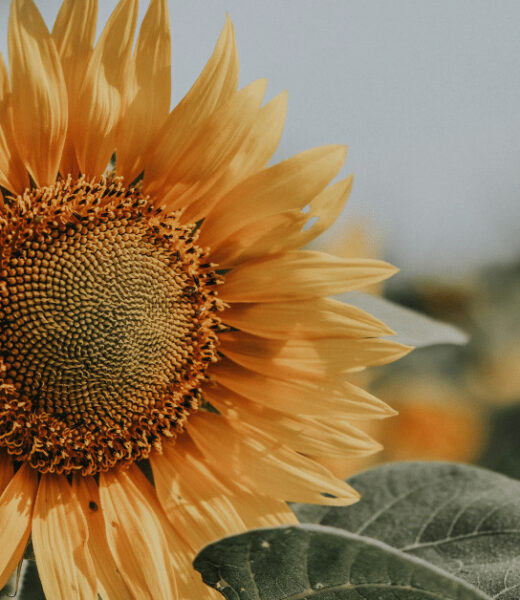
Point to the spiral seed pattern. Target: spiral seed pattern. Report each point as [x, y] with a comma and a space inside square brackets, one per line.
[107, 323]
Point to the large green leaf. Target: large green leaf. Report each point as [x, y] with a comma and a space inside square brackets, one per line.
[463, 519]
[322, 563]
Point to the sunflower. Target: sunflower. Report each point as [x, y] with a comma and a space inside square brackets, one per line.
[169, 357]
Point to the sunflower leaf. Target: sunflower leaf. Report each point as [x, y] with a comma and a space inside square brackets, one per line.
[322, 563]
[24, 584]
[413, 328]
[31, 587]
[464, 520]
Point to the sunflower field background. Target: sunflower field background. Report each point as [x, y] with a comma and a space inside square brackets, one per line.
[426, 96]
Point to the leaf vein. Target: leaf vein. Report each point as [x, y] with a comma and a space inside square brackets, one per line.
[393, 502]
[474, 534]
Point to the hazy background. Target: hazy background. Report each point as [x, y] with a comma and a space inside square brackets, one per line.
[425, 94]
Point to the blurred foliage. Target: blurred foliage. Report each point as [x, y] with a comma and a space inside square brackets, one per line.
[456, 403]
[484, 375]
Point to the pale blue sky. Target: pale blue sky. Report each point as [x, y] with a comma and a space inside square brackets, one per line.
[425, 94]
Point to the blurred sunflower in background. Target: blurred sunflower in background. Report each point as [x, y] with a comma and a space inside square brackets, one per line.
[439, 417]
[459, 402]
[483, 375]
[156, 310]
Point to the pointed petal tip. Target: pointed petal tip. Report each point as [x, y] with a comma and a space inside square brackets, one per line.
[340, 150]
[387, 269]
[255, 88]
[278, 106]
[328, 499]
[329, 151]
[391, 267]
[353, 497]
[369, 450]
[402, 350]
[384, 411]
[388, 330]
[229, 29]
[262, 82]
[283, 97]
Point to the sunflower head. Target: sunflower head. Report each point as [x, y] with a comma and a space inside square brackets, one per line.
[155, 303]
[109, 320]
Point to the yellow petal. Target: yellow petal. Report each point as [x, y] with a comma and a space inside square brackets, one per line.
[308, 359]
[6, 470]
[202, 505]
[111, 584]
[283, 231]
[148, 98]
[263, 511]
[215, 85]
[102, 94]
[189, 582]
[305, 319]
[13, 175]
[269, 235]
[40, 95]
[323, 212]
[211, 147]
[300, 274]
[59, 536]
[303, 434]
[261, 143]
[135, 527]
[290, 184]
[262, 463]
[196, 501]
[74, 32]
[256, 148]
[302, 396]
[16, 505]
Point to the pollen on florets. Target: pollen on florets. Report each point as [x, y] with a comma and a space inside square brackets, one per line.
[108, 321]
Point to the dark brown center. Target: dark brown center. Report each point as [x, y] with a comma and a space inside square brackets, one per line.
[107, 323]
